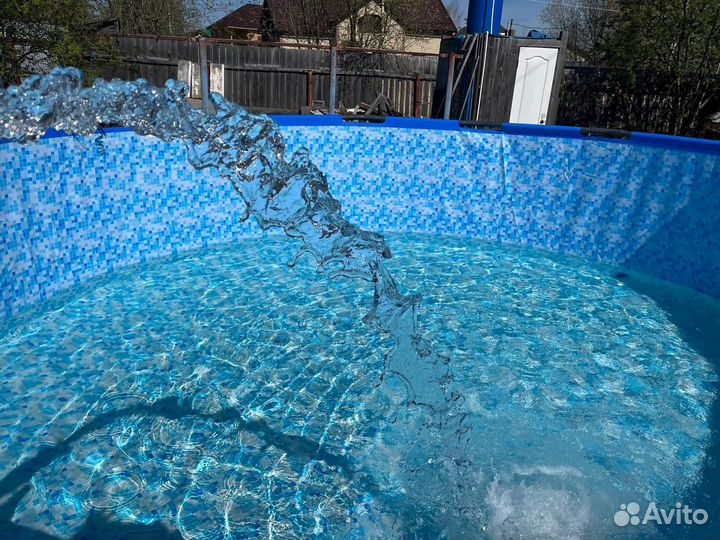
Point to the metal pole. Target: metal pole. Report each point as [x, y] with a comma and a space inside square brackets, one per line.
[204, 76]
[492, 20]
[467, 107]
[449, 88]
[482, 77]
[333, 80]
[466, 56]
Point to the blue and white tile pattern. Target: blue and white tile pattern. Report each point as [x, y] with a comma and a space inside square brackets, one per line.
[72, 210]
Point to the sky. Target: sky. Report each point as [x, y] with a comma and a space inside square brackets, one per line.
[525, 13]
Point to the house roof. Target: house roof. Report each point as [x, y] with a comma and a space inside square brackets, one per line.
[306, 17]
[248, 17]
[319, 17]
[423, 17]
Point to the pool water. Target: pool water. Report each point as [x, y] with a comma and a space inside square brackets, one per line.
[219, 394]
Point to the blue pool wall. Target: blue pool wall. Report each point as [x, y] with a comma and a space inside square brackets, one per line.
[73, 209]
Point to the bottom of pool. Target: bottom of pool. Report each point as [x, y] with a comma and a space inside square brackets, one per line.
[220, 394]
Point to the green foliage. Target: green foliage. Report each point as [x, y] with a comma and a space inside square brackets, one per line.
[586, 24]
[40, 34]
[657, 62]
[677, 37]
[155, 17]
[36, 35]
[675, 45]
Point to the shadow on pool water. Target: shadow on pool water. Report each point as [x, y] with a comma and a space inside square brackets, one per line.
[16, 484]
[699, 325]
[695, 324]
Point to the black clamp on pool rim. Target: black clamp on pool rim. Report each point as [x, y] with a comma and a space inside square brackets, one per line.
[606, 133]
[364, 118]
[485, 126]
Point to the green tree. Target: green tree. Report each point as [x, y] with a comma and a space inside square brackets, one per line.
[39, 34]
[665, 59]
[36, 35]
[586, 23]
[155, 17]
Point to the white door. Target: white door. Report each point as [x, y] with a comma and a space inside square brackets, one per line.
[533, 85]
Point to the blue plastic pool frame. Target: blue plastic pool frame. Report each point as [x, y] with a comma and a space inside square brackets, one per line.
[538, 195]
[687, 144]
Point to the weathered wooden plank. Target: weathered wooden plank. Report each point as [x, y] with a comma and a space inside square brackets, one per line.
[274, 79]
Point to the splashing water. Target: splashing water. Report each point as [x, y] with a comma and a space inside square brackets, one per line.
[289, 194]
[587, 394]
[248, 150]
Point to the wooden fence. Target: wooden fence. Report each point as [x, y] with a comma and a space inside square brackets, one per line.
[283, 79]
[496, 82]
[594, 97]
[483, 77]
[648, 101]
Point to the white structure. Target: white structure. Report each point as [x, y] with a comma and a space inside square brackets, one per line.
[189, 72]
[533, 85]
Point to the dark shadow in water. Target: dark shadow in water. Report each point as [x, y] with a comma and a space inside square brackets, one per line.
[699, 325]
[98, 526]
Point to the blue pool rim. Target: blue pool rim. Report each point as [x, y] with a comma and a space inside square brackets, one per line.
[554, 178]
[686, 144]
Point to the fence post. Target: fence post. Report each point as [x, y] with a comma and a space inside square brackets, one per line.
[417, 92]
[204, 75]
[333, 80]
[309, 88]
[449, 87]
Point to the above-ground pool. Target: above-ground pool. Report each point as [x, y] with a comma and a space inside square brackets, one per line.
[167, 374]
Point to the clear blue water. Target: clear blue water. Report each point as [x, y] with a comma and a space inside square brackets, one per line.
[170, 398]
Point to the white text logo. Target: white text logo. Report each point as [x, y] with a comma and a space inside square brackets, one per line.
[629, 514]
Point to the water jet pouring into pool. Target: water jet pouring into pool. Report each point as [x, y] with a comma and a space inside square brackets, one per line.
[248, 150]
[225, 396]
